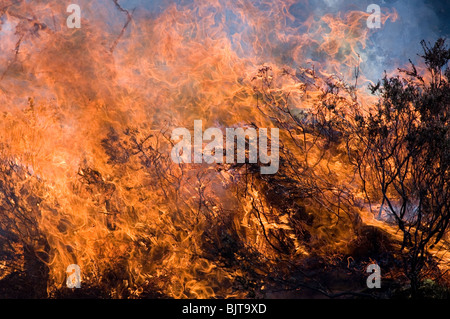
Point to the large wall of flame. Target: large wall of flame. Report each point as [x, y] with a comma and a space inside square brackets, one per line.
[64, 91]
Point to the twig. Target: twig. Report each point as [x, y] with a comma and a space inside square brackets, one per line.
[129, 18]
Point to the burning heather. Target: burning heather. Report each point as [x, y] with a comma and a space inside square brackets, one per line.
[224, 149]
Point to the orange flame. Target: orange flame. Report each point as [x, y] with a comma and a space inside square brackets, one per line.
[88, 112]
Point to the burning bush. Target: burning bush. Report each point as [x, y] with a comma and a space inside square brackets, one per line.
[405, 145]
[87, 178]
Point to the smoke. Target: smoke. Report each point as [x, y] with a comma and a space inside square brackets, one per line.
[387, 48]
[398, 41]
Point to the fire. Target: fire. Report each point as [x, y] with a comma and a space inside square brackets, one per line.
[85, 140]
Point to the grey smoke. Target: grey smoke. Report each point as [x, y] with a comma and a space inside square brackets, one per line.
[387, 48]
